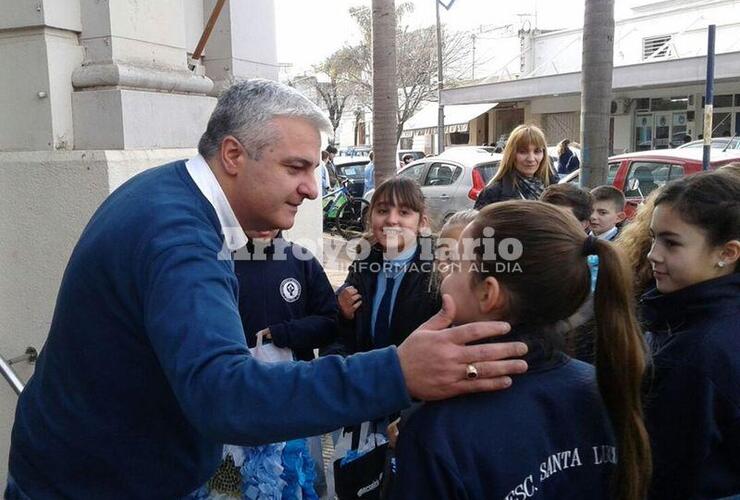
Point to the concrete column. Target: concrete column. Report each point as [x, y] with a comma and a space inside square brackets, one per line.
[242, 44]
[39, 50]
[134, 89]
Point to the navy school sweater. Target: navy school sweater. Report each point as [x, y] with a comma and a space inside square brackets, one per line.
[692, 405]
[284, 288]
[547, 437]
[146, 369]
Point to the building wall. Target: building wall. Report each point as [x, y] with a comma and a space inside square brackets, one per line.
[560, 52]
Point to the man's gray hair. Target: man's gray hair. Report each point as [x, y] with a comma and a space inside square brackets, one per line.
[245, 110]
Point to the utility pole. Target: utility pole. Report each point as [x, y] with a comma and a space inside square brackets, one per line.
[709, 98]
[472, 76]
[440, 85]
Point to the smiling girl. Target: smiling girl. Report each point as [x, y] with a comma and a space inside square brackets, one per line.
[693, 317]
[524, 171]
[387, 294]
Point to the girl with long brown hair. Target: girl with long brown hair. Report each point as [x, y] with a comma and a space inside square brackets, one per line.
[635, 241]
[564, 429]
[524, 171]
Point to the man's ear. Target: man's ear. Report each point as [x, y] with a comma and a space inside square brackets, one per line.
[232, 155]
[621, 216]
[491, 296]
[730, 253]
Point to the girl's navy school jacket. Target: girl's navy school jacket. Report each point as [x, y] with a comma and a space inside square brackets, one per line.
[417, 300]
[692, 404]
[548, 436]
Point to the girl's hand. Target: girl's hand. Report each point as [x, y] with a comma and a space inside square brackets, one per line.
[393, 433]
[349, 300]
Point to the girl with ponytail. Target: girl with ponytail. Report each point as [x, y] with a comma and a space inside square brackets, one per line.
[564, 429]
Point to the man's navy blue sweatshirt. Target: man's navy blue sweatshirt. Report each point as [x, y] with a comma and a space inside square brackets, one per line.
[283, 280]
[146, 369]
[548, 437]
[692, 405]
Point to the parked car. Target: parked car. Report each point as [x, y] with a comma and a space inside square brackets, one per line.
[353, 168]
[450, 182]
[724, 143]
[652, 169]
[454, 150]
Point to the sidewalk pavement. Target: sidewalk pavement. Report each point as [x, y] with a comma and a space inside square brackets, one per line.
[335, 260]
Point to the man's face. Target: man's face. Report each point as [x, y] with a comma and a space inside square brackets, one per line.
[268, 189]
[605, 216]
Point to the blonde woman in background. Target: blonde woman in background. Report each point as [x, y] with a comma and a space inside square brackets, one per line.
[525, 169]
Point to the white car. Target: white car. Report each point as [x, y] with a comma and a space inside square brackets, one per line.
[450, 182]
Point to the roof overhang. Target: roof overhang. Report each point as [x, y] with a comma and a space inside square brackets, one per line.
[457, 118]
[658, 74]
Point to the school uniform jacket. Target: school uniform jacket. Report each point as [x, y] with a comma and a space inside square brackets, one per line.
[417, 300]
[289, 295]
[547, 437]
[692, 405]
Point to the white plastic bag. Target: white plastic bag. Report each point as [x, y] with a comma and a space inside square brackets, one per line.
[270, 353]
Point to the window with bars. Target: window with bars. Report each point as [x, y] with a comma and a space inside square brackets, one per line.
[655, 47]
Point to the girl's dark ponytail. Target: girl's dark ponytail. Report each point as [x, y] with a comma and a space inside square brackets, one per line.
[620, 366]
[541, 293]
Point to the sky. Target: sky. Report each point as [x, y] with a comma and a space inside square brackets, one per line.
[310, 30]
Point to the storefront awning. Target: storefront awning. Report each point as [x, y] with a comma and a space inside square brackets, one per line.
[457, 117]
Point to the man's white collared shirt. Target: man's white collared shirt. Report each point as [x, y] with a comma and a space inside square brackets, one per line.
[204, 178]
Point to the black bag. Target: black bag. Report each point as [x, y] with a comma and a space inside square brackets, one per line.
[360, 478]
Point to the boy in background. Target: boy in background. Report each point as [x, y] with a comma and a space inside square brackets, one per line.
[608, 212]
[577, 200]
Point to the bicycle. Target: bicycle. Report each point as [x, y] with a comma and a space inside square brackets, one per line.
[344, 212]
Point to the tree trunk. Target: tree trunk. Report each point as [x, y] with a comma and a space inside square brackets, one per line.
[385, 89]
[596, 90]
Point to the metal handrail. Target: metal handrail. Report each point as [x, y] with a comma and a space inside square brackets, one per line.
[9, 374]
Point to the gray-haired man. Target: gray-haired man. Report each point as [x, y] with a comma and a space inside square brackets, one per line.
[146, 369]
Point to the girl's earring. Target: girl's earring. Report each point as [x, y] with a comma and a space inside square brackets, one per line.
[721, 264]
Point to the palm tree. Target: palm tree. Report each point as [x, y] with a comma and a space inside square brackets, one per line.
[596, 90]
[385, 89]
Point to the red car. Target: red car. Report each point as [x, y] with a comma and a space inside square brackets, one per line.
[654, 168]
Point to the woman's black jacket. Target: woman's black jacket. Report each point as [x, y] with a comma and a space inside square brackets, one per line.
[500, 190]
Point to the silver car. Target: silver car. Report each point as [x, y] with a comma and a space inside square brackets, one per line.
[450, 182]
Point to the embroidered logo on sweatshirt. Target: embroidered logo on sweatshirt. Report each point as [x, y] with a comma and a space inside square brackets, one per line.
[290, 289]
